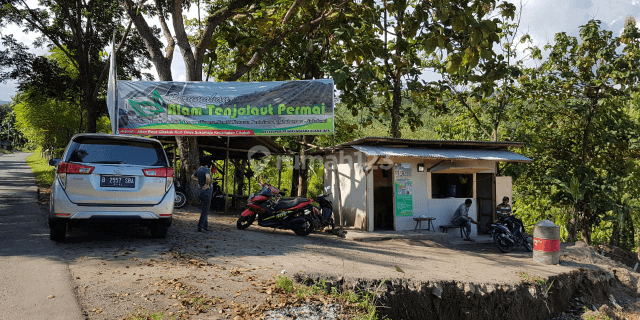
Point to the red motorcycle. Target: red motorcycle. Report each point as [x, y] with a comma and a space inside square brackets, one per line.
[299, 214]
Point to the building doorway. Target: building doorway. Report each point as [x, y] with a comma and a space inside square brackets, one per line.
[484, 194]
[383, 199]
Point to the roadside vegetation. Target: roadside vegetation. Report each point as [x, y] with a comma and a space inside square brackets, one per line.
[41, 169]
[362, 302]
[575, 102]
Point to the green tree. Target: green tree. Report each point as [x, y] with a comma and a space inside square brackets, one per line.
[10, 137]
[251, 28]
[47, 123]
[386, 46]
[577, 125]
[80, 31]
[486, 95]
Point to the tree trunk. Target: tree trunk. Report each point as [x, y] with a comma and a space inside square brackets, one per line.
[572, 229]
[295, 176]
[614, 240]
[395, 110]
[189, 163]
[585, 228]
[303, 177]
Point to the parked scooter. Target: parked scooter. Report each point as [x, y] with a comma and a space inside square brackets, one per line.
[298, 214]
[508, 232]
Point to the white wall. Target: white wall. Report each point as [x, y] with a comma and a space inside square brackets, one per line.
[352, 187]
[503, 189]
[357, 202]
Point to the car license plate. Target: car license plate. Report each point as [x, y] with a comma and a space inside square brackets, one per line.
[118, 181]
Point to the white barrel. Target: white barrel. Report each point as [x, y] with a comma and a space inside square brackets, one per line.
[546, 242]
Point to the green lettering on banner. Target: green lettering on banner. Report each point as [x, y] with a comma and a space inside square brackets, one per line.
[210, 108]
[172, 109]
[281, 108]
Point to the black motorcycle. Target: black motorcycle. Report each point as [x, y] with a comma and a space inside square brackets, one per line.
[217, 197]
[298, 214]
[508, 232]
[181, 197]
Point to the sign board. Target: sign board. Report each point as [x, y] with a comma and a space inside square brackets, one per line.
[404, 190]
[226, 108]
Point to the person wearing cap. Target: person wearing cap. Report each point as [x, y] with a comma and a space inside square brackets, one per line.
[461, 218]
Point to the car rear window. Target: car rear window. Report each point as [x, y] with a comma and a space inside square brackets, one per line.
[92, 150]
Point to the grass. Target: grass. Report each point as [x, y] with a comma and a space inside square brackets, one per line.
[365, 300]
[41, 169]
[527, 278]
[597, 316]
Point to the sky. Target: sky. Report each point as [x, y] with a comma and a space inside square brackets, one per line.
[542, 19]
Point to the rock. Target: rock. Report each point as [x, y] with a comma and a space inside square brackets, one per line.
[437, 290]
[606, 310]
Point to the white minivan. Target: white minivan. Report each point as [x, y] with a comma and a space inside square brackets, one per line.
[103, 177]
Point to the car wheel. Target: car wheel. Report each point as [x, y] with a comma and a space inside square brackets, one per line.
[180, 200]
[58, 231]
[158, 231]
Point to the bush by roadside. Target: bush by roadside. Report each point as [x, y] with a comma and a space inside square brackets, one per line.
[41, 169]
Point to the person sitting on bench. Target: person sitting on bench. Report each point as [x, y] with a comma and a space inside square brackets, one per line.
[461, 218]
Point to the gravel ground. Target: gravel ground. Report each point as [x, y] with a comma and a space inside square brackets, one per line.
[121, 273]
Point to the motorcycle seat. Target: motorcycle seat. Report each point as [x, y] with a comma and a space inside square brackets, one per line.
[285, 204]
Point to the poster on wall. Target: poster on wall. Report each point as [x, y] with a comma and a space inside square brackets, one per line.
[272, 108]
[404, 190]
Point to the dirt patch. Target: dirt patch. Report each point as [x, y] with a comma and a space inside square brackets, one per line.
[122, 273]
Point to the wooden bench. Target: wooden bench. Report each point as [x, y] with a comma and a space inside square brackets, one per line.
[429, 221]
[445, 229]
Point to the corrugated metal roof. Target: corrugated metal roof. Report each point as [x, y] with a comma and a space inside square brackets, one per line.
[444, 154]
[435, 144]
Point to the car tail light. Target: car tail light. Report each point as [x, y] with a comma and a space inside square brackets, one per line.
[161, 173]
[64, 168]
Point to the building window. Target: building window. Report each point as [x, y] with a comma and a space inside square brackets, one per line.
[451, 185]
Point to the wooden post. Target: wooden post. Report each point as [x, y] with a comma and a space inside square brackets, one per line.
[226, 180]
[279, 170]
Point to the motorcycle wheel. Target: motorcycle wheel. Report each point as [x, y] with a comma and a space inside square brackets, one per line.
[501, 243]
[245, 222]
[306, 228]
[180, 200]
[527, 244]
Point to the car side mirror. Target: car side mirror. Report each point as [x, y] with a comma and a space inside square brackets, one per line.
[54, 162]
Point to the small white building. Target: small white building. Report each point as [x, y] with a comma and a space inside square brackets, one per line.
[382, 183]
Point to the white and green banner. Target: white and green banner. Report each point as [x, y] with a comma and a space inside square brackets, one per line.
[404, 190]
[225, 108]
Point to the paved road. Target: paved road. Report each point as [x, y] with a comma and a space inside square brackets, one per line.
[35, 281]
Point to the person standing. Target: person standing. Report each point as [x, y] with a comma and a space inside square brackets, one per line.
[203, 175]
[461, 218]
